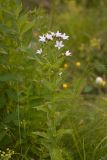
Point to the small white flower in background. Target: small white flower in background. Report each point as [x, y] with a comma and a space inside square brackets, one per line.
[42, 38]
[49, 36]
[99, 80]
[59, 44]
[68, 53]
[39, 51]
[64, 36]
[60, 74]
[58, 34]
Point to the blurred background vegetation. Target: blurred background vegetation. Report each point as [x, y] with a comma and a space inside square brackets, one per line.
[49, 3]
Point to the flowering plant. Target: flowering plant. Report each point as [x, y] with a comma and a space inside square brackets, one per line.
[56, 38]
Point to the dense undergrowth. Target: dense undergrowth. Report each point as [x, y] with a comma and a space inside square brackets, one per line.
[53, 91]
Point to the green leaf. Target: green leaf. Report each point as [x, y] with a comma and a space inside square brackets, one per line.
[24, 24]
[19, 7]
[12, 94]
[88, 89]
[9, 77]
[27, 26]
[2, 134]
[62, 132]
[56, 154]
[3, 58]
[41, 134]
[13, 117]
[2, 101]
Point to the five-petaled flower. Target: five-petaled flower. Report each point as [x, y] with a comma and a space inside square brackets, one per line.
[59, 44]
[64, 36]
[58, 34]
[49, 36]
[42, 38]
[68, 53]
[39, 51]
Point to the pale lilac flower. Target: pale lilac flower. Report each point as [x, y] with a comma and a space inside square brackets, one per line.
[42, 38]
[64, 36]
[59, 44]
[49, 36]
[68, 53]
[58, 34]
[39, 51]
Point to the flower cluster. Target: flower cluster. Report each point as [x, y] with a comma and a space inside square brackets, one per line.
[6, 155]
[58, 37]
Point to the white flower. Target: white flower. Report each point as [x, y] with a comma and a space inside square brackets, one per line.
[49, 36]
[42, 38]
[58, 34]
[99, 80]
[60, 73]
[52, 33]
[39, 51]
[64, 36]
[68, 53]
[59, 44]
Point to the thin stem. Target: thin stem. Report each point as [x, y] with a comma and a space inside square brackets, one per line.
[18, 116]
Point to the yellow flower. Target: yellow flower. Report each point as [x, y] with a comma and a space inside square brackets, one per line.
[78, 64]
[66, 65]
[95, 43]
[103, 83]
[65, 85]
